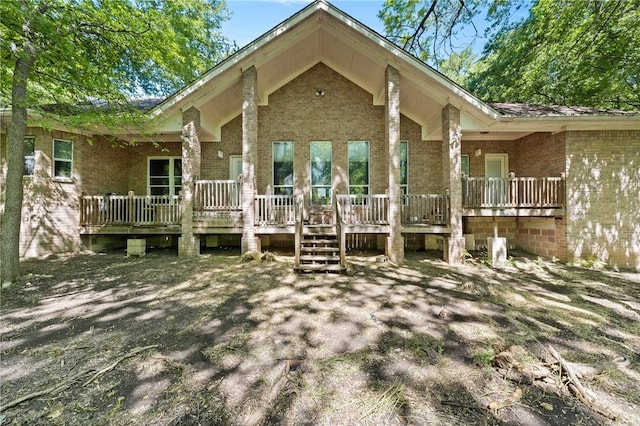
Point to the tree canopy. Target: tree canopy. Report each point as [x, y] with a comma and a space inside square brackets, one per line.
[90, 57]
[108, 50]
[569, 52]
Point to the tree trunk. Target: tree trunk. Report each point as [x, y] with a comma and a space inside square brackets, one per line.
[10, 263]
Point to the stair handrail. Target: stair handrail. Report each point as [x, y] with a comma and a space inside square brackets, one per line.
[299, 222]
[340, 230]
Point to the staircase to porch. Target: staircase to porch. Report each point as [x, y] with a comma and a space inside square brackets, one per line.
[319, 249]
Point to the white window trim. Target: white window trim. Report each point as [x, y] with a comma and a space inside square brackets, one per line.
[406, 186]
[467, 174]
[368, 185]
[53, 163]
[273, 180]
[30, 156]
[232, 158]
[171, 172]
[311, 185]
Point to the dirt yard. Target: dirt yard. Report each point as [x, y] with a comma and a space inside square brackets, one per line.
[157, 340]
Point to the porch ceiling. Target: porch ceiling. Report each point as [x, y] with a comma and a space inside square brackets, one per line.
[320, 33]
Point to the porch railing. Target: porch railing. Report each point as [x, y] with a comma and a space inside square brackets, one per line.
[364, 209]
[217, 195]
[428, 209]
[275, 210]
[518, 192]
[129, 210]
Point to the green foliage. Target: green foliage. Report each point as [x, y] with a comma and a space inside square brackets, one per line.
[566, 52]
[99, 54]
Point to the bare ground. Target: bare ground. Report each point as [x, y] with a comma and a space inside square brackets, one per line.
[110, 339]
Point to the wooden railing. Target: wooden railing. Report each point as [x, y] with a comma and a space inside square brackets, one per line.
[340, 230]
[275, 210]
[217, 195]
[364, 209]
[129, 210]
[299, 214]
[429, 209]
[519, 192]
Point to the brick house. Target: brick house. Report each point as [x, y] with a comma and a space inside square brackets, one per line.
[323, 136]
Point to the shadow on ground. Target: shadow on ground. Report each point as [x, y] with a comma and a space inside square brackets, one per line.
[110, 339]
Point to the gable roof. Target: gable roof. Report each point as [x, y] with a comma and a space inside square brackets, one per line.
[322, 33]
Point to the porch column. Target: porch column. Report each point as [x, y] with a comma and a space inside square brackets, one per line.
[249, 142]
[451, 175]
[188, 243]
[395, 242]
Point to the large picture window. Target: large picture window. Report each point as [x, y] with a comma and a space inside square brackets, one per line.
[165, 176]
[358, 153]
[321, 153]
[283, 168]
[404, 167]
[62, 159]
[29, 156]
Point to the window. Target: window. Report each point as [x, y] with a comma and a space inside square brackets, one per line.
[464, 164]
[29, 156]
[62, 159]
[358, 167]
[404, 168]
[165, 176]
[283, 168]
[321, 152]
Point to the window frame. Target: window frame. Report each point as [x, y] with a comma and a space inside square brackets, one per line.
[464, 172]
[56, 160]
[404, 187]
[31, 157]
[172, 176]
[367, 186]
[277, 189]
[318, 186]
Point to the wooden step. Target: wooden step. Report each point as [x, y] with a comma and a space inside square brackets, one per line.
[320, 249]
[319, 268]
[319, 230]
[319, 258]
[320, 241]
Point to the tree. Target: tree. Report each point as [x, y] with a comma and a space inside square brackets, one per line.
[568, 53]
[89, 58]
[432, 30]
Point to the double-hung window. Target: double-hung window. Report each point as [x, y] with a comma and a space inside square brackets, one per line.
[358, 154]
[165, 176]
[283, 168]
[62, 159]
[29, 156]
[404, 168]
[321, 152]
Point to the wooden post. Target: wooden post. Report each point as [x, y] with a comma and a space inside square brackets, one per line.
[451, 176]
[395, 241]
[249, 145]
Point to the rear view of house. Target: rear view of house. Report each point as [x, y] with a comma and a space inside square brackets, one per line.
[323, 136]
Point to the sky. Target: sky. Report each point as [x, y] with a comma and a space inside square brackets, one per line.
[252, 18]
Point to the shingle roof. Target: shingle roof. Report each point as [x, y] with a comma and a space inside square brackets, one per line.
[533, 110]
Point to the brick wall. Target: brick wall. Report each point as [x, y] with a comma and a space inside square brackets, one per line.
[482, 228]
[540, 155]
[603, 187]
[539, 235]
[476, 163]
[345, 113]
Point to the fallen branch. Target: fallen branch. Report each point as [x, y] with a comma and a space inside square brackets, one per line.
[577, 389]
[113, 365]
[59, 387]
[572, 376]
[67, 383]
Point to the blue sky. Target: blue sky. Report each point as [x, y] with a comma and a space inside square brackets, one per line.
[252, 18]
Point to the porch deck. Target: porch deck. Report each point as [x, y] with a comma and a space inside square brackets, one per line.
[217, 209]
